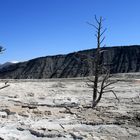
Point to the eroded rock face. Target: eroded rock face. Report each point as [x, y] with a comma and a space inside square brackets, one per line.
[118, 59]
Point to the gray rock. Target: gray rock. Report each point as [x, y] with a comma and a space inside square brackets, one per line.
[3, 114]
[120, 60]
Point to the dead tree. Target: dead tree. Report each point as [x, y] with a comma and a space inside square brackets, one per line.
[101, 82]
[103, 87]
[6, 82]
[2, 49]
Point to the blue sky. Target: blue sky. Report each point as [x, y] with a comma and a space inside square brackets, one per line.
[34, 28]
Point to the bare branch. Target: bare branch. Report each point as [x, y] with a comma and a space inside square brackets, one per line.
[6, 82]
[2, 49]
[103, 81]
[111, 83]
[102, 40]
[103, 32]
[4, 87]
[96, 36]
[92, 86]
[97, 19]
[93, 25]
[90, 80]
[113, 93]
[89, 85]
[108, 88]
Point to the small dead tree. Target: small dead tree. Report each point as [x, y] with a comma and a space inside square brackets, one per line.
[2, 49]
[99, 87]
[6, 82]
[101, 82]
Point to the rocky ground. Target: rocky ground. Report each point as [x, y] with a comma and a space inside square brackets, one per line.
[59, 110]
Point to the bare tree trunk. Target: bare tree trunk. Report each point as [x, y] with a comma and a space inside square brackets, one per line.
[97, 68]
[97, 93]
[97, 59]
[95, 89]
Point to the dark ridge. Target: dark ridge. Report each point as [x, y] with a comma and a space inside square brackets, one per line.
[122, 59]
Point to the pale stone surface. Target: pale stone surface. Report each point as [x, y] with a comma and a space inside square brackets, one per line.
[58, 109]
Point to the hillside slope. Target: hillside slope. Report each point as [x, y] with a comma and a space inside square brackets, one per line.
[119, 59]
